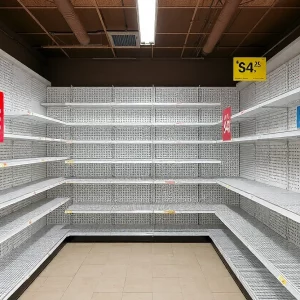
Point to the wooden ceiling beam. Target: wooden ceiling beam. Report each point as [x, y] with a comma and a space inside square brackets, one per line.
[257, 23]
[104, 27]
[41, 26]
[143, 47]
[158, 33]
[133, 7]
[190, 27]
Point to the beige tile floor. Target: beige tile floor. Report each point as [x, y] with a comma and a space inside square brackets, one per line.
[134, 271]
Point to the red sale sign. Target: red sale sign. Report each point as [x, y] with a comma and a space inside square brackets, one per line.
[1, 117]
[226, 124]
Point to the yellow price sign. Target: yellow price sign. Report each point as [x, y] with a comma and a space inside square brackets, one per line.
[282, 279]
[170, 212]
[249, 69]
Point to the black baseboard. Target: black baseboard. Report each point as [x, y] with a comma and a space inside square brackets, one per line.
[39, 270]
[241, 287]
[126, 239]
[138, 239]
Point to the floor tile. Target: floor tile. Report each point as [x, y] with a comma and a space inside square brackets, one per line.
[139, 271]
[165, 271]
[163, 259]
[162, 248]
[198, 296]
[141, 248]
[138, 285]
[59, 284]
[38, 282]
[78, 295]
[41, 295]
[83, 284]
[61, 269]
[189, 271]
[118, 259]
[186, 259]
[90, 271]
[137, 296]
[140, 258]
[166, 285]
[167, 296]
[216, 271]
[223, 285]
[110, 285]
[107, 296]
[194, 286]
[229, 296]
[145, 271]
[114, 271]
[70, 257]
[96, 259]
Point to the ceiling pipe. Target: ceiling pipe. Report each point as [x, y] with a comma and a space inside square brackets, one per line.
[67, 10]
[226, 14]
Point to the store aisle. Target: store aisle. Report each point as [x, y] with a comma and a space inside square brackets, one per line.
[134, 271]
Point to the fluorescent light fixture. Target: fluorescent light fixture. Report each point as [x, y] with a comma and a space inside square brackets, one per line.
[147, 20]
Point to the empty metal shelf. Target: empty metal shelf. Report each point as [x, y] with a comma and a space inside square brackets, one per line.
[17, 221]
[285, 202]
[21, 192]
[280, 257]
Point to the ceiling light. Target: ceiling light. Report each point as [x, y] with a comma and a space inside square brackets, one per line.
[147, 20]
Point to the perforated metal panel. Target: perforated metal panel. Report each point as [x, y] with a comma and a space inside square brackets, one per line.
[278, 81]
[133, 94]
[294, 73]
[88, 95]
[247, 161]
[59, 94]
[178, 95]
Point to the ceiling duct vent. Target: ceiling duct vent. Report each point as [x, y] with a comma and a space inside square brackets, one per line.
[124, 39]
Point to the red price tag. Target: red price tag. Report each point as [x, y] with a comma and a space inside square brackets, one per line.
[1, 117]
[170, 182]
[226, 124]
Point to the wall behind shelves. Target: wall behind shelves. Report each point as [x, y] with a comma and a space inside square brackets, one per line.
[142, 194]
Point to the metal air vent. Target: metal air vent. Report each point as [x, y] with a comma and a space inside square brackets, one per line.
[124, 39]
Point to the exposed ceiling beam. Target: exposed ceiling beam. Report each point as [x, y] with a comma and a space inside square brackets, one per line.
[133, 7]
[41, 26]
[144, 47]
[190, 27]
[158, 33]
[104, 27]
[257, 23]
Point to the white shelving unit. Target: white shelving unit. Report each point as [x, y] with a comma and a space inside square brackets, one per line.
[137, 142]
[29, 161]
[31, 116]
[280, 257]
[24, 191]
[34, 251]
[280, 101]
[253, 275]
[133, 105]
[17, 137]
[129, 208]
[19, 220]
[143, 161]
[286, 135]
[139, 181]
[108, 124]
[284, 202]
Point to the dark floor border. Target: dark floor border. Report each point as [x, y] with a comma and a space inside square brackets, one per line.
[138, 239]
[237, 281]
[126, 239]
[38, 271]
